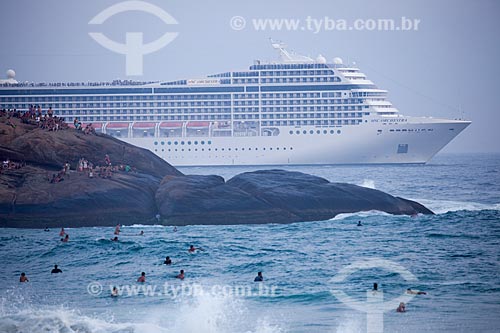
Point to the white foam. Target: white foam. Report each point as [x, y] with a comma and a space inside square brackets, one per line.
[360, 215]
[445, 206]
[368, 183]
[205, 313]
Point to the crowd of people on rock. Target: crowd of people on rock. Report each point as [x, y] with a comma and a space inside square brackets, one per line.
[8, 164]
[35, 116]
[48, 120]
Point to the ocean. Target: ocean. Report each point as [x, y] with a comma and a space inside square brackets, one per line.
[318, 275]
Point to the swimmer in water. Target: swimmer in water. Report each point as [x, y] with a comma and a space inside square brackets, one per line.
[401, 307]
[62, 232]
[415, 292]
[65, 239]
[175, 229]
[114, 292]
[167, 261]
[359, 224]
[259, 277]
[23, 278]
[180, 275]
[46, 229]
[141, 233]
[142, 278]
[55, 270]
[193, 249]
[117, 229]
[114, 239]
[375, 287]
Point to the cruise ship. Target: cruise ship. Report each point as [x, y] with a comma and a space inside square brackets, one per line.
[297, 110]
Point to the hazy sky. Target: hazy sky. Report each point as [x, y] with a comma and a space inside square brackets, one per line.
[448, 68]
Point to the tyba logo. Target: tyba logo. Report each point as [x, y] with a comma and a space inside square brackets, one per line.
[133, 49]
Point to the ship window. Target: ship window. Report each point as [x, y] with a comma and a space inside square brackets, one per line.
[311, 132]
[291, 132]
[169, 143]
[402, 148]
[209, 142]
[332, 131]
[163, 142]
[305, 132]
[176, 143]
[156, 143]
[182, 142]
[338, 132]
[189, 142]
[325, 131]
[196, 142]
[298, 132]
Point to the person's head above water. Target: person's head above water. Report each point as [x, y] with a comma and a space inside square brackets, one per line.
[375, 286]
[143, 274]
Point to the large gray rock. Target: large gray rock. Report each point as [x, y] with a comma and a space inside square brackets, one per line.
[269, 196]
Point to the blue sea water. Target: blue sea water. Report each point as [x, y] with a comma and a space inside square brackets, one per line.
[454, 256]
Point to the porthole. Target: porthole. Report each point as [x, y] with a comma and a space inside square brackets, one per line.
[304, 132]
[196, 142]
[297, 132]
[338, 132]
[156, 143]
[163, 143]
[311, 132]
[176, 143]
[203, 142]
[189, 142]
[318, 132]
[209, 142]
[182, 142]
[291, 132]
[325, 131]
[332, 131]
[169, 143]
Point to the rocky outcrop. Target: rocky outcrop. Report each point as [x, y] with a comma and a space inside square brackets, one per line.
[28, 199]
[269, 196]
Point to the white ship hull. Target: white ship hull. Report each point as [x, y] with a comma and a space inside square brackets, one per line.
[362, 144]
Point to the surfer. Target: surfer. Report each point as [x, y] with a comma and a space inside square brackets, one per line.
[167, 261]
[401, 307]
[193, 249]
[359, 224]
[141, 233]
[415, 292]
[55, 270]
[142, 278]
[180, 275]
[23, 278]
[65, 239]
[259, 277]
